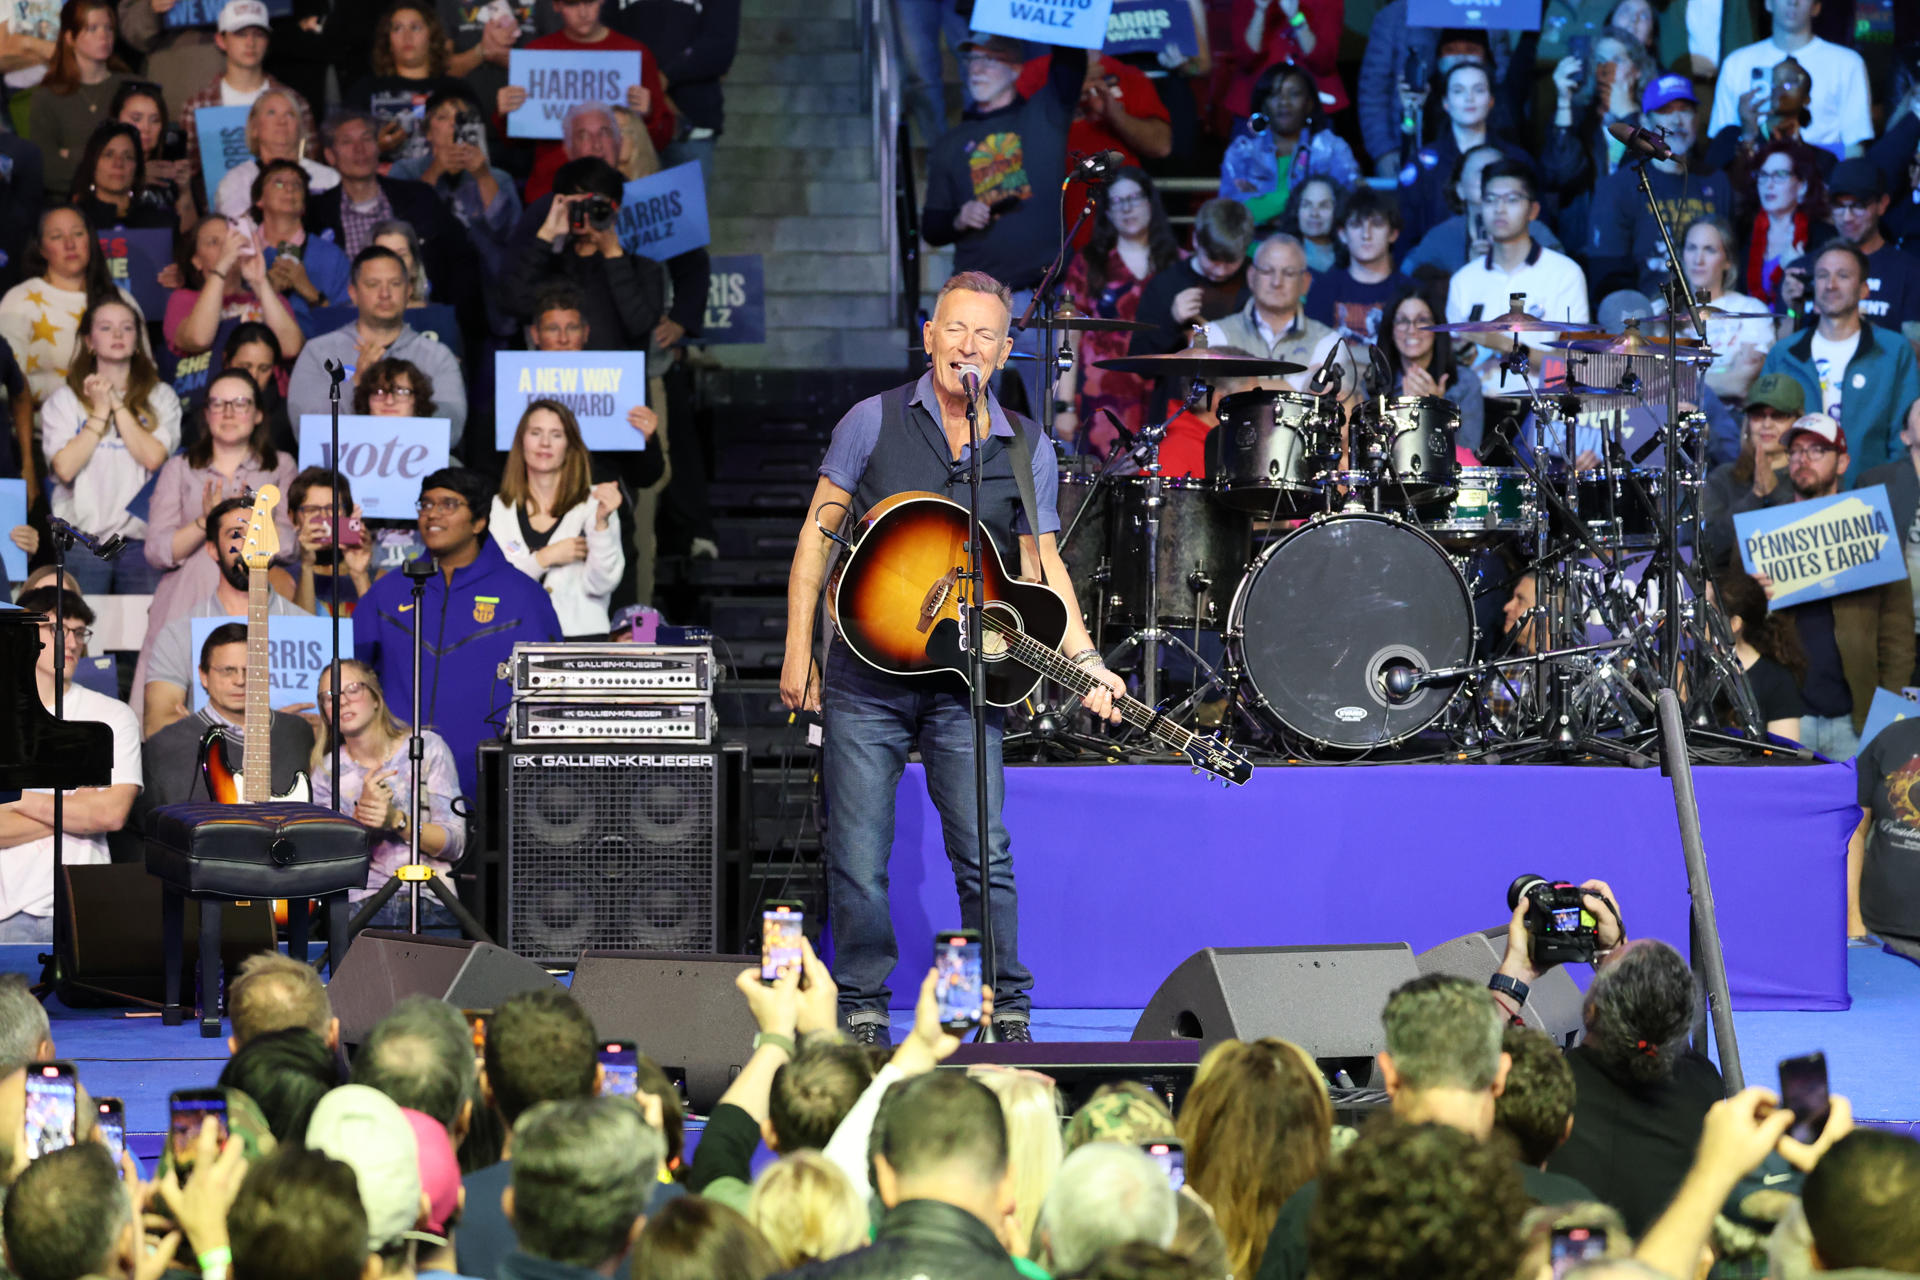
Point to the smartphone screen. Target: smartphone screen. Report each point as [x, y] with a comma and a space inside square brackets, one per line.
[187, 1111]
[780, 930]
[1172, 1159]
[1581, 47]
[620, 1069]
[1575, 1245]
[1803, 1091]
[956, 984]
[53, 1107]
[110, 1117]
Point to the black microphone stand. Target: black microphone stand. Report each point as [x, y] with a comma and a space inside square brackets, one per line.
[336, 374]
[975, 621]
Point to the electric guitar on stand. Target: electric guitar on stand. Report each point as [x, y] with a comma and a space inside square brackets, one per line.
[227, 782]
[896, 597]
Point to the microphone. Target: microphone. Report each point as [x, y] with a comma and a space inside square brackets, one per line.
[336, 371]
[1098, 169]
[1328, 377]
[970, 380]
[1645, 141]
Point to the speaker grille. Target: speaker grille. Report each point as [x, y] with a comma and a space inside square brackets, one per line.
[612, 848]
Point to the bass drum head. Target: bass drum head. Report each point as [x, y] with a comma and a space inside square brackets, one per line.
[1327, 611]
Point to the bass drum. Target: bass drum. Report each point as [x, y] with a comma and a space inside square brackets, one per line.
[1327, 611]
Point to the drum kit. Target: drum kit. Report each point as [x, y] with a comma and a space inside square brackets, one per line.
[1319, 593]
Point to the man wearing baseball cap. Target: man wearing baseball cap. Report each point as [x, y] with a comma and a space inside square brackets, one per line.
[1626, 251]
[241, 33]
[367, 1130]
[1854, 642]
[1893, 275]
[1774, 403]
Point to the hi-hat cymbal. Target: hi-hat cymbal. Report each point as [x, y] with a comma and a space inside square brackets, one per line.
[1509, 323]
[1588, 393]
[1201, 363]
[1094, 324]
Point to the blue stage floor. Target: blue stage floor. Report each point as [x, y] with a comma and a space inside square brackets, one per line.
[1870, 1048]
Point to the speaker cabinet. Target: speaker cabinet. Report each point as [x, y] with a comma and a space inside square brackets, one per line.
[681, 1010]
[1553, 1001]
[114, 922]
[1327, 1000]
[381, 967]
[613, 846]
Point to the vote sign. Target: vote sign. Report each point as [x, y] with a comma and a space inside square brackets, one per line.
[1506, 15]
[557, 80]
[299, 650]
[1072, 24]
[13, 513]
[383, 459]
[204, 13]
[665, 214]
[599, 387]
[1823, 547]
[736, 300]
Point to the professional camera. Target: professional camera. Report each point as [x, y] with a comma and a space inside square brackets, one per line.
[1560, 929]
[595, 213]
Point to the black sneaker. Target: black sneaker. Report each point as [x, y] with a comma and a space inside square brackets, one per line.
[869, 1033]
[1013, 1031]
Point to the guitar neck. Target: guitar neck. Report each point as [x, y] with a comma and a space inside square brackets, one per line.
[256, 778]
[1062, 670]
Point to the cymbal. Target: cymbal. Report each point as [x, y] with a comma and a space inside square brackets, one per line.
[1509, 323]
[1586, 392]
[1095, 324]
[1634, 345]
[1201, 363]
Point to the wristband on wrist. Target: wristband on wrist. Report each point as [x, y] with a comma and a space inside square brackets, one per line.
[774, 1038]
[1299, 19]
[220, 1259]
[1511, 986]
[1085, 656]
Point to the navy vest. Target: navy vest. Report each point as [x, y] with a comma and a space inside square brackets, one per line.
[911, 453]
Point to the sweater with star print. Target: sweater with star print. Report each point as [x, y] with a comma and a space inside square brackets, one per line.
[40, 323]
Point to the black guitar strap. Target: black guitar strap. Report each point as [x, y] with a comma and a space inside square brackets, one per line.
[1023, 477]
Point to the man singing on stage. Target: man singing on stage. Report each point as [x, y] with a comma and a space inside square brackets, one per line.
[915, 437]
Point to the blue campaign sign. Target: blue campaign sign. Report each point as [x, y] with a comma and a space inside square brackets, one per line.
[13, 513]
[188, 375]
[1148, 26]
[223, 142]
[299, 651]
[1887, 708]
[556, 80]
[1072, 24]
[383, 459]
[204, 13]
[100, 674]
[1823, 547]
[135, 259]
[436, 320]
[664, 215]
[600, 387]
[736, 300]
[1507, 15]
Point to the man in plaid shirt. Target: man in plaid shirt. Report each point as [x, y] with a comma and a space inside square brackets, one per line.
[241, 33]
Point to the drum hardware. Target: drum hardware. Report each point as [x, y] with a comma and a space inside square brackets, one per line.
[1198, 362]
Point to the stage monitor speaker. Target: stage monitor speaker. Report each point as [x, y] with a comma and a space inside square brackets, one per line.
[680, 1009]
[381, 967]
[613, 846]
[1553, 1001]
[1080, 1067]
[115, 927]
[1327, 1000]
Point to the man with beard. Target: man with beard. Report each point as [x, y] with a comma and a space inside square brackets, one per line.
[1625, 249]
[1856, 641]
[171, 662]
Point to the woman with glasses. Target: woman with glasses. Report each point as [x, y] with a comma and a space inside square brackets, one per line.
[223, 276]
[275, 131]
[80, 84]
[1789, 210]
[555, 524]
[310, 270]
[254, 349]
[333, 575]
[1131, 240]
[393, 388]
[232, 457]
[1286, 141]
[141, 104]
[105, 432]
[376, 777]
[110, 184]
[1423, 363]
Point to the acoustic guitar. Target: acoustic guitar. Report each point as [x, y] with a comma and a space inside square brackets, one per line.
[896, 597]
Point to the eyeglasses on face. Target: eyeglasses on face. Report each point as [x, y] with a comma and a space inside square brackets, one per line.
[239, 404]
[79, 635]
[314, 511]
[227, 673]
[1121, 204]
[391, 393]
[447, 505]
[1811, 449]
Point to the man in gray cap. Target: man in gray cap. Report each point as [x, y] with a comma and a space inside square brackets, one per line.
[365, 1129]
[1774, 403]
[1893, 275]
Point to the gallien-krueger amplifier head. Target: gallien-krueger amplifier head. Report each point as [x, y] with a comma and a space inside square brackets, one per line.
[611, 668]
[612, 719]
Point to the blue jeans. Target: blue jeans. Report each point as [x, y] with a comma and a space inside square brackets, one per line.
[23, 928]
[1832, 736]
[128, 574]
[435, 919]
[871, 721]
[922, 23]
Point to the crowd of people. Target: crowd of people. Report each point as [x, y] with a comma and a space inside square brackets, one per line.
[499, 1150]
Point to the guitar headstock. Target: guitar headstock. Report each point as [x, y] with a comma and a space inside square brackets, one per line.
[1220, 760]
[262, 542]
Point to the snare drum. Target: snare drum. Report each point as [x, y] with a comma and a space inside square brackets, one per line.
[1204, 548]
[1610, 509]
[1489, 503]
[1416, 434]
[1269, 447]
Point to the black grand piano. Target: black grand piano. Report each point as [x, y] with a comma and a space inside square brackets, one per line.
[37, 750]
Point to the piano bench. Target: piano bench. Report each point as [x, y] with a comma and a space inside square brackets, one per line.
[219, 853]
